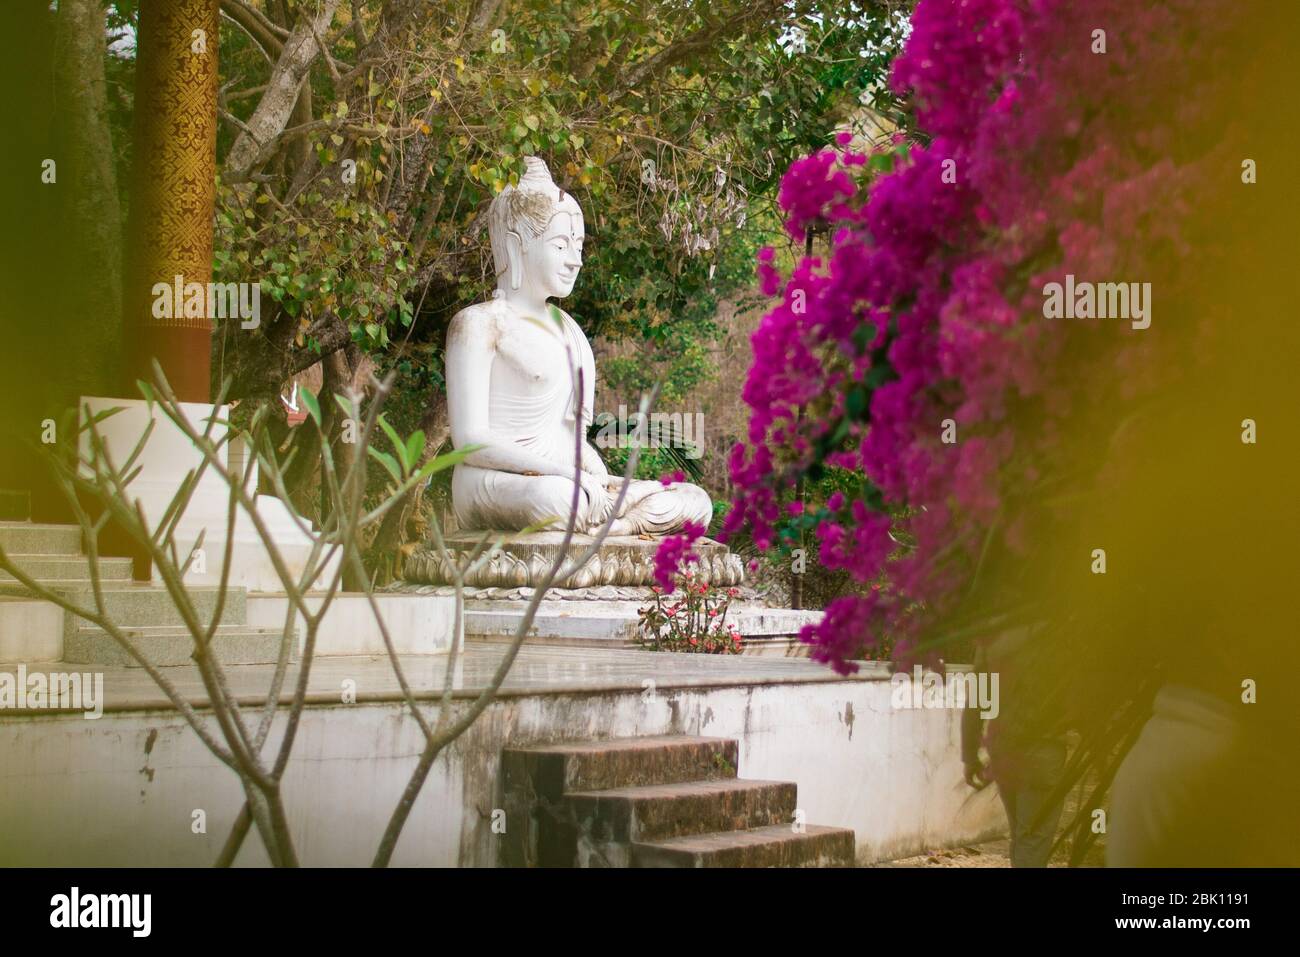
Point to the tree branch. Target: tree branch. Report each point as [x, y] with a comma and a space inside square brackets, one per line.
[260, 30]
[635, 77]
[257, 144]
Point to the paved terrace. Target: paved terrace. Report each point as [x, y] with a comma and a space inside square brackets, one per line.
[538, 669]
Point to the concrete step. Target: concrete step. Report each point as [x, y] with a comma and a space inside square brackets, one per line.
[657, 811]
[775, 846]
[166, 646]
[142, 605]
[48, 569]
[552, 770]
[30, 538]
[672, 801]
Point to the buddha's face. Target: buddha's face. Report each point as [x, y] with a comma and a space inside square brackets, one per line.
[552, 260]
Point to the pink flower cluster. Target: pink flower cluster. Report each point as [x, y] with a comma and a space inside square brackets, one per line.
[673, 554]
[1043, 158]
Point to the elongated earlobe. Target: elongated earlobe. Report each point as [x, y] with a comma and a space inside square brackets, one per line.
[515, 253]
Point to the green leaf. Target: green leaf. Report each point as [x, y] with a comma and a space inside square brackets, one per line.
[346, 405]
[856, 403]
[396, 439]
[542, 524]
[103, 414]
[440, 462]
[387, 461]
[313, 407]
[414, 446]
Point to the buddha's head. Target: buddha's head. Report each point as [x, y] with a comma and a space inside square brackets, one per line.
[537, 233]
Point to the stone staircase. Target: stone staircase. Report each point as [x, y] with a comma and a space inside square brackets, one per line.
[52, 555]
[656, 802]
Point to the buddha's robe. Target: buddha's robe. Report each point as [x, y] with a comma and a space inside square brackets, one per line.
[532, 398]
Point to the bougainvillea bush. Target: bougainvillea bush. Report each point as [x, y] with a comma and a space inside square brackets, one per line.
[913, 348]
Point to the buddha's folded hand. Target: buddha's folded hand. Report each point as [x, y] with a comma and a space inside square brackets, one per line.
[598, 498]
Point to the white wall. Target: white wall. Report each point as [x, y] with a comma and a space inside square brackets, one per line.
[417, 624]
[121, 790]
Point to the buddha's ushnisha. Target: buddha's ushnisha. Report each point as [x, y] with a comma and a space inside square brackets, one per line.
[511, 390]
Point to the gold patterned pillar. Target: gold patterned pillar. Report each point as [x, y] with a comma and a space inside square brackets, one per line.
[173, 190]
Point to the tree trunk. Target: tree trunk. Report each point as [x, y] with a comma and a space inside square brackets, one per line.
[91, 214]
[338, 379]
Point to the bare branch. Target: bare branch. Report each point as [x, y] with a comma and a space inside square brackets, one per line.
[256, 145]
[265, 44]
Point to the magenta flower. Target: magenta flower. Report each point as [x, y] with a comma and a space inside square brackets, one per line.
[919, 332]
[673, 554]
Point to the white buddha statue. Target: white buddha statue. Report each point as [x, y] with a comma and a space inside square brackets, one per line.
[511, 390]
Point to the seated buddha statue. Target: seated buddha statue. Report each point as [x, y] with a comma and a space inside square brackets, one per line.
[512, 387]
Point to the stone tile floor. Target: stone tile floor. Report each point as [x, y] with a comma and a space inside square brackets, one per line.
[990, 854]
[537, 669]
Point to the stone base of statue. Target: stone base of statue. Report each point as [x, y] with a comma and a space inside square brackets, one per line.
[523, 561]
[600, 605]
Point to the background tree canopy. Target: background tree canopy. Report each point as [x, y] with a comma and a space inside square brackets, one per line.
[358, 203]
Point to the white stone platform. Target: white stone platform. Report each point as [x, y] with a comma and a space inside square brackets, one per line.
[132, 779]
[33, 630]
[769, 631]
[537, 670]
[417, 624]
